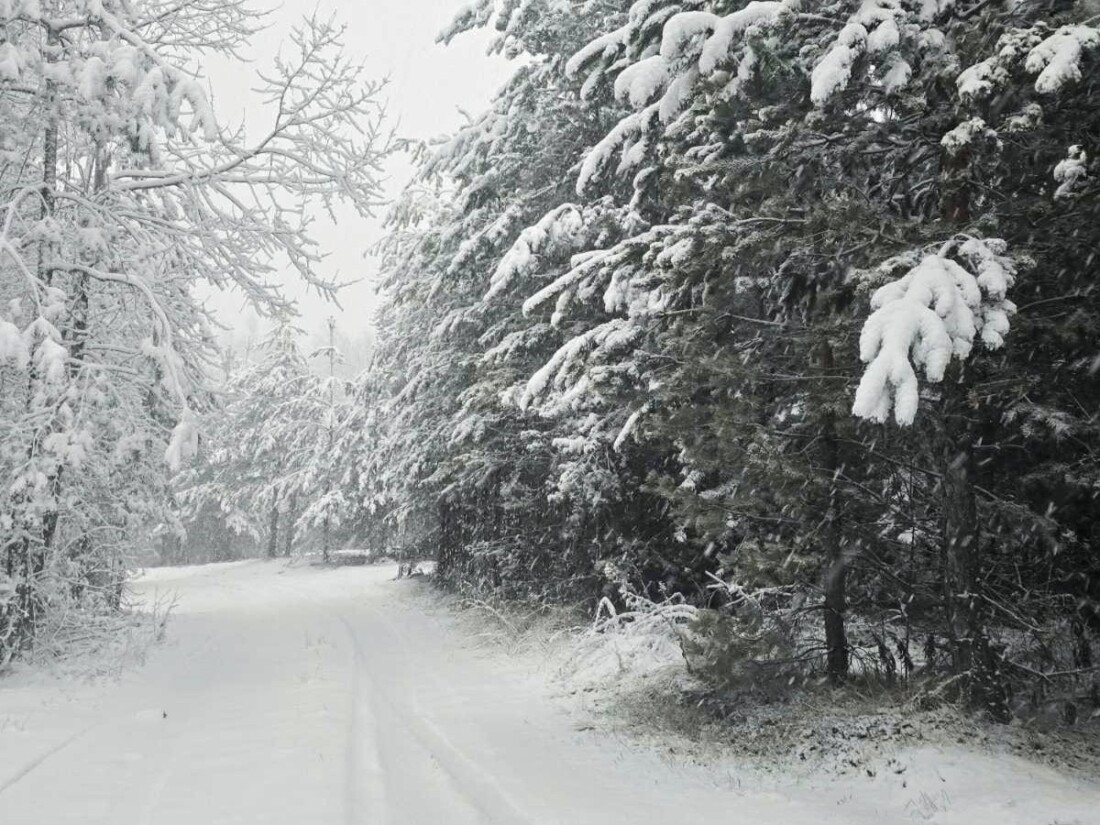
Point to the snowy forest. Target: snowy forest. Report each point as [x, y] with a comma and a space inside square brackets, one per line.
[777, 321]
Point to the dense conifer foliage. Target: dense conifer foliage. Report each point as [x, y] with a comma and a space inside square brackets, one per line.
[785, 307]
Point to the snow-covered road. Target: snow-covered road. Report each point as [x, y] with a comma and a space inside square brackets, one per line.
[309, 696]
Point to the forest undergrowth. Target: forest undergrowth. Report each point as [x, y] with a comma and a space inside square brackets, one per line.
[630, 674]
[86, 644]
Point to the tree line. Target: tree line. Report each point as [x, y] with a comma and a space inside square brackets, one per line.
[122, 193]
[786, 308]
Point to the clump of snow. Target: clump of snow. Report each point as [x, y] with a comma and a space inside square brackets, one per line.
[931, 9]
[978, 80]
[922, 320]
[639, 82]
[872, 29]
[995, 274]
[1057, 60]
[897, 75]
[834, 70]
[13, 349]
[1028, 118]
[964, 134]
[11, 62]
[1071, 172]
[43, 340]
[184, 441]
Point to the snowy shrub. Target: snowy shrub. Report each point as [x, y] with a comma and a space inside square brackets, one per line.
[642, 639]
[738, 651]
[749, 642]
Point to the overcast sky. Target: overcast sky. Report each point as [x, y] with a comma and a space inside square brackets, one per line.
[429, 84]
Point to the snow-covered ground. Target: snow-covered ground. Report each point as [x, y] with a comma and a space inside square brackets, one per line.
[313, 696]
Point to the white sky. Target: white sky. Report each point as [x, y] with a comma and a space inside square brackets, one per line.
[429, 84]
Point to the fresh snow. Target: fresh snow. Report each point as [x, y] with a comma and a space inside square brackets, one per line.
[925, 318]
[1069, 173]
[1057, 60]
[873, 28]
[306, 695]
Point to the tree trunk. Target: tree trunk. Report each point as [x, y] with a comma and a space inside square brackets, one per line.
[836, 603]
[974, 661]
[34, 551]
[77, 333]
[273, 530]
[288, 528]
[447, 551]
[836, 572]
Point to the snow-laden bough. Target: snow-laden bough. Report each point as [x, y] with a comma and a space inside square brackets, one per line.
[930, 315]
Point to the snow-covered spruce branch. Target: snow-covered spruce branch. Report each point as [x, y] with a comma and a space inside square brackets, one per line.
[659, 76]
[930, 315]
[559, 228]
[694, 47]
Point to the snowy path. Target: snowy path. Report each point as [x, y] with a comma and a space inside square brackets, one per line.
[314, 697]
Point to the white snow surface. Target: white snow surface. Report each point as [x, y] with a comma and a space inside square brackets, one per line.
[307, 695]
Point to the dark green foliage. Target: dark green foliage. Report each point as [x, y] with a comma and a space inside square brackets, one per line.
[646, 381]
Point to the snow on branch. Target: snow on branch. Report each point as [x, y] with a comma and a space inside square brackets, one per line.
[1071, 172]
[568, 362]
[929, 315]
[13, 349]
[965, 134]
[630, 134]
[872, 29]
[324, 146]
[162, 349]
[694, 45]
[1057, 60]
[559, 228]
[609, 44]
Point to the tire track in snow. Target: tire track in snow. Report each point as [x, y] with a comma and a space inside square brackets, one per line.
[37, 761]
[473, 786]
[364, 781]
